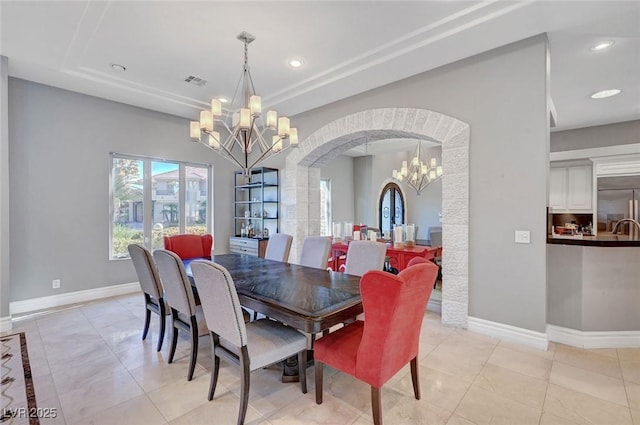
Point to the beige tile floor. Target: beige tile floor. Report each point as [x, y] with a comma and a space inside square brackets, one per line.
[89, 362]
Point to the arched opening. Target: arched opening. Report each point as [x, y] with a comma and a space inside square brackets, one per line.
[301, 198]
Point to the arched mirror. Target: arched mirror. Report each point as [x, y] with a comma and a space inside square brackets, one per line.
[391, 208]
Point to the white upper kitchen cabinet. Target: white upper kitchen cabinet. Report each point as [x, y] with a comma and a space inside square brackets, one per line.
[570, 189]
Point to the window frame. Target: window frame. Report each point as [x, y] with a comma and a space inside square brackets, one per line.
[147, 201]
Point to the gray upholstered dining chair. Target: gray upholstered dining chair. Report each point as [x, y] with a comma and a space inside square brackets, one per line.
[278, 247]
[315, 252]
[249, 346]
[363, 256]
[185, 314]
[151, 288]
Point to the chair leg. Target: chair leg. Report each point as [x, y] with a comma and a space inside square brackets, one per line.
[302, 370]
[147, 320]
[318, 367]
[415, 378]
[216, 366]
[163, 323]
[244, 391]
[376, 405]
[194, 347]
[174, 335]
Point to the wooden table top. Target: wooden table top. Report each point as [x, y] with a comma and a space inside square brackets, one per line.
[308, 299]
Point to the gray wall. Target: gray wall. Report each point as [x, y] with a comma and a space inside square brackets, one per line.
[4, 188]
[623, 133]
[363, 188]
[340, 172]
[502, 94]
[59, 187]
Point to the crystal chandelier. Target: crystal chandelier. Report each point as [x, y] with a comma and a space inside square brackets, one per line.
[420, 173]
[247, 142]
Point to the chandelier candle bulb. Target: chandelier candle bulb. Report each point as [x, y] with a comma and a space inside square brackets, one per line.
[216, 107]
[206, 121]
[245, 118]
[272, 119]
[283, 127]
[439, 170]
[293, 137]
[424, 169]
[195, 131]
[255, 105]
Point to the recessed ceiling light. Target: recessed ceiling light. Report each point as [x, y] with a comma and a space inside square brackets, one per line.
[602, 45]
[118, 67]
[296, 63]
[223, 99]
[605, 93]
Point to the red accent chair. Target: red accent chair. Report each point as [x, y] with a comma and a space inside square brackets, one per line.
[375, 349]
[421, 260]
[189, 246]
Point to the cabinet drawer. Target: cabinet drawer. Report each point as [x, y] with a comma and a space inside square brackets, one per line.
[244, 250]
[243, 246]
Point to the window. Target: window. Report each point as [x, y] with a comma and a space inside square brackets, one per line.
[152, 198]
[325, 208]
[391, 211]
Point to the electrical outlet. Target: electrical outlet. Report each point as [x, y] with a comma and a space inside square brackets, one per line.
[56, 283]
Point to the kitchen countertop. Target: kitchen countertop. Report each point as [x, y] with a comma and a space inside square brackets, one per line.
[601, 240]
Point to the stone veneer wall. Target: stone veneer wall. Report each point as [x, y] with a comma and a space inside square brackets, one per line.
[301, 200]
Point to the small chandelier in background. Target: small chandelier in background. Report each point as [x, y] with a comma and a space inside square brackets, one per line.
[243, 122]
[420, 173]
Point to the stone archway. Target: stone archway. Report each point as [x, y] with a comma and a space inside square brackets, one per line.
[301, 197]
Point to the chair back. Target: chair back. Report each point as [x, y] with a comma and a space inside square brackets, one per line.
[394, 307]
[146, 271]
[315, 252]
[435, 236]
[278, 247]
[189, 246]
[177, 287]
[219, 301]
[363, 256]
[418, 260]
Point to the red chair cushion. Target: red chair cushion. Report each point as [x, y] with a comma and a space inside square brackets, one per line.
[339, 348]
[189, 246]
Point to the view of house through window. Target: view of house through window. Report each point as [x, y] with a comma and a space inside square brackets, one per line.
[151, 199]
[325, 208]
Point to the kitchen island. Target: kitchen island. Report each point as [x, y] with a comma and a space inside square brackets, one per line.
[594, 291]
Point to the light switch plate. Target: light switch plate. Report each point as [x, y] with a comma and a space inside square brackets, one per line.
[523, 236]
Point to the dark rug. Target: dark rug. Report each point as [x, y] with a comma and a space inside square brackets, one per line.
[18, 396]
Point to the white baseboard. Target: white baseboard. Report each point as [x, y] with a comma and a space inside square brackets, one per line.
[594, 339]
[33, 304]
[509, 333]
[5, 324]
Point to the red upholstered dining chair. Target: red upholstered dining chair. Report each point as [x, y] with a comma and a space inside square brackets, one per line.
[375, 349]
[189, 246]
[422, 260]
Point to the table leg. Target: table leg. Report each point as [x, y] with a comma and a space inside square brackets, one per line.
[291, 369]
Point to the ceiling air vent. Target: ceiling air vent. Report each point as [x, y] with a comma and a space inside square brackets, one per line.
[195, 81]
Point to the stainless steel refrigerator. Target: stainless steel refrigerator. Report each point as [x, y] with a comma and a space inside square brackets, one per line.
[617, 199]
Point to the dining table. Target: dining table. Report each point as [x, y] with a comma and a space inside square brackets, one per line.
[311, 300]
